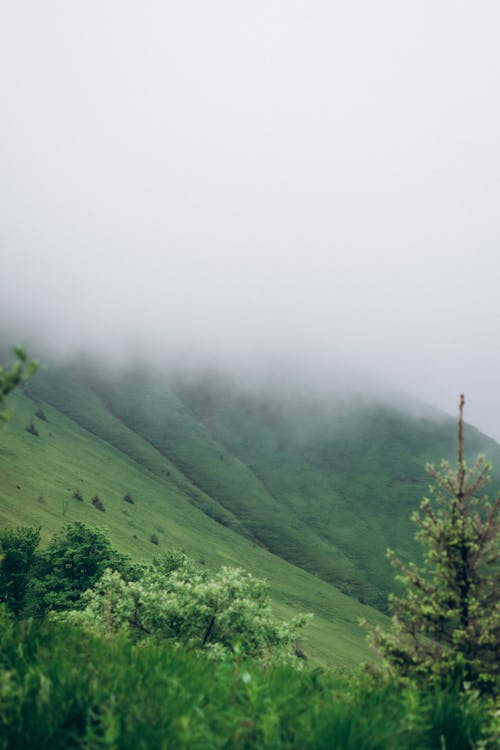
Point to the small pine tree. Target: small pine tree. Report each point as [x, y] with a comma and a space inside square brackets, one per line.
[447, 625]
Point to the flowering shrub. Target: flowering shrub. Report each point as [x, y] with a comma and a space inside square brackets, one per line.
[224, 614]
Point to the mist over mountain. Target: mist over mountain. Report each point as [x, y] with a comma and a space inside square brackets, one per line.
[254, 251]
[309, 183]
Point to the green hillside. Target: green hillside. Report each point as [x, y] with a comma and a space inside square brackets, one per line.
[324, 483]
[304, 491]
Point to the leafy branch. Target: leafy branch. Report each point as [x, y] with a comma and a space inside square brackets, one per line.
[13, 376]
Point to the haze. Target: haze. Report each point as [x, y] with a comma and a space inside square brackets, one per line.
[310, 182]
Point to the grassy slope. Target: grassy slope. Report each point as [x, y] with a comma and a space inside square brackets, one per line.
[38, 477]
[327, 486]
[233, 476]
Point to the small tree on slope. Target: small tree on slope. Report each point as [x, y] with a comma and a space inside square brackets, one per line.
[447, 625]
[14, 376]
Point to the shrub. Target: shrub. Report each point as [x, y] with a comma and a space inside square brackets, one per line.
[229, 613]
[128, 498]
[41, 415]
[98, 503]
[31, 428]
[77, 494]
[154, 539]
[176, 560]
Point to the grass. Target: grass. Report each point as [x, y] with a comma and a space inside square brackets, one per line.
[64, 688]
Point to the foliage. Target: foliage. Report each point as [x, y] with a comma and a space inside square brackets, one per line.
[447, 625]
[12, 377]
[74, 561]
[17, 558]
[98, 503]
[172, 598]
[229, 613]
[62, 687]
[176, 560]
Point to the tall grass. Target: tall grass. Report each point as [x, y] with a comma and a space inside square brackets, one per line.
[64, 688]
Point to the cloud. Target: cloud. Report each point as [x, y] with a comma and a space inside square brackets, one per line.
[316, 182]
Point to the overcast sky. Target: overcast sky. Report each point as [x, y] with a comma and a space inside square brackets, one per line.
[316, 180]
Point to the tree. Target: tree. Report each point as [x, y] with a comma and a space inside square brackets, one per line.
[18, 549]
[73, 562]
[447, 624]
[12, 377]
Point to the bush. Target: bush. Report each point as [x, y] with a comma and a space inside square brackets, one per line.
[128, 498]
[229, 613]
[31, 428]
[77, 494]
[176, 560]
[98, 503]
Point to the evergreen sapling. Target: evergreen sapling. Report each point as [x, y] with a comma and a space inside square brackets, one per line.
[447, 624]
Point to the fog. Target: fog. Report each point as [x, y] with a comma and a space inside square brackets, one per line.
[308, 185]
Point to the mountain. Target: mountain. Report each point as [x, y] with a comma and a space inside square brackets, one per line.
[304, 488]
